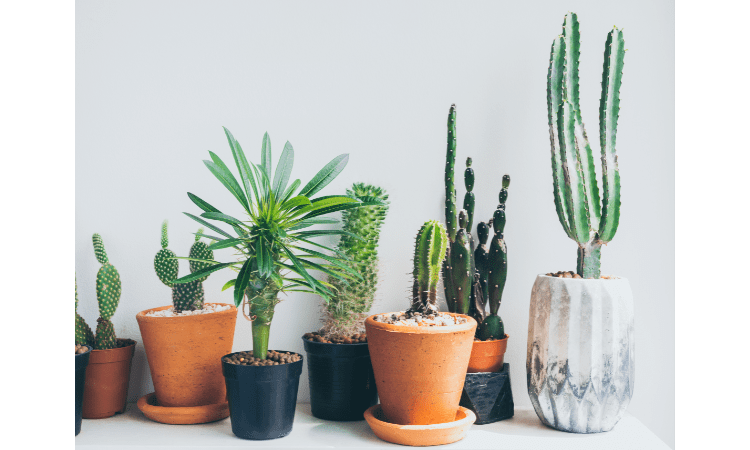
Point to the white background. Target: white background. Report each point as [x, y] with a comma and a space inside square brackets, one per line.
[156, 81]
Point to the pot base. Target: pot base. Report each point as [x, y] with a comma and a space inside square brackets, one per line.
[184, 415]
[420, 435]
[489, 395]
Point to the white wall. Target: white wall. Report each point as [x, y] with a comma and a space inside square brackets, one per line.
[155, 81]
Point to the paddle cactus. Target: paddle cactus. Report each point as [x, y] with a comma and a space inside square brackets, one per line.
[187, 296]
[84, 336]
[429, 252]
[587, 219]
[467, 269]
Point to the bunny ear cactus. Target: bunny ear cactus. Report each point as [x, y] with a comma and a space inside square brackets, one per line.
[188, 296]
[467, 270]
[108, 291]
[84, 336]
[346, 308]
[589, 220]
[429, 252]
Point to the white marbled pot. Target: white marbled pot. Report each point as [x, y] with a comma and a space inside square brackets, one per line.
[579, 361]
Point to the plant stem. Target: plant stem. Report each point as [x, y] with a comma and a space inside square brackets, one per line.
[261, 332]
[589, 260]
[261, 307]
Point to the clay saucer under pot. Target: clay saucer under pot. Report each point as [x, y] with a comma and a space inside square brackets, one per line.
[420, 435]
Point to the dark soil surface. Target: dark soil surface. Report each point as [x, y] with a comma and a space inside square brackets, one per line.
[81, 349]
[353, 339]
[476, 339]
[274, 358]
[124, 342]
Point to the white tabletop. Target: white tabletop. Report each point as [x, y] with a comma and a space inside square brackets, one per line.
[132, 430]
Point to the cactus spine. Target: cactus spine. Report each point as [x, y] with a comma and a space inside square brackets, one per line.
[472, 276]
[188, 296]
[346, 309]
[429, 252]
[587, 219]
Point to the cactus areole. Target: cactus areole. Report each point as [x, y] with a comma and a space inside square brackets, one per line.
[588, 217]
[273, 246]
[473, 275]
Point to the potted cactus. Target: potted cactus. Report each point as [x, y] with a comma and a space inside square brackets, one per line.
[342, 384]
[184, 343]
[83, 352]
[420, 355]
[585, 391]
[108, 372]
[275, 255]
[474, 276]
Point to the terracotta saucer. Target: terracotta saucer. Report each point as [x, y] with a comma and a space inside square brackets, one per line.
[420, 435]
[184, 415]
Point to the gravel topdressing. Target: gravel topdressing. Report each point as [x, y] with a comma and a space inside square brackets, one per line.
[356, 338]
[81, 349]
[571, 274]
[273, 358]
[208, 308]
[407, 318]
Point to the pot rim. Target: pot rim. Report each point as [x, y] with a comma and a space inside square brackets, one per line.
[90, 349]
[142, 317]
[613, 278]
[495, 342]
[112, 355]
[468, 325]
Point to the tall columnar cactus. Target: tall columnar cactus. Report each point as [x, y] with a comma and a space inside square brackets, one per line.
[587, 219]
[346, 308]
[187, 296]
[429, 252]
[108, 291]
[466, 269]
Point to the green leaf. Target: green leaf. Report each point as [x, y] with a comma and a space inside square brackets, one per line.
[202, 273]
[310, 222]
[205, 206]
[333, 250]
[242, 165]
[290, 190]
[265, 156]
[222, 173]
[283, 170]
[206, 224]
[265, 261]
[228, 284]
[296, 201]
[331, 259]
[225, 243]
[297, 267]
[242, 280]
[329, 272]
[326, 175]
[313, 233]
[222, 217]
[323, 202]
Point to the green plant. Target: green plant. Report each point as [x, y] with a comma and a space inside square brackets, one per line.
[429, 252]
[269, 241]
[185, 296]
[585, 219]
[346, 310]
[108, 291]
[473, 276]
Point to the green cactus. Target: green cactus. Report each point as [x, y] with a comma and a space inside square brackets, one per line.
[84, 336]
[587, 219]
[429, 252]
[108, 291]
[346, 309]
[188, 296]
[466, 269]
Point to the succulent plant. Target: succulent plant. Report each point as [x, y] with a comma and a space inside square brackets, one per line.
[589, 220]
[429, 252]
[346, 309]
[472, 275]
[185, 296]
[269, 242]
[108, 291]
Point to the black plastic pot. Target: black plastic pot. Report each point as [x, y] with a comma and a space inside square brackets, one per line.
[342, 383]
[82, 360]
[488, 394]
[262, 399]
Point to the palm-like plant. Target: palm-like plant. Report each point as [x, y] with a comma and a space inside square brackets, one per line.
[270, 242]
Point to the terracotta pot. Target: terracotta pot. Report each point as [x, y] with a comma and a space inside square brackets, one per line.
[107, 379]
[184, 355]
[487, 356]
[420, 435]
[420, 370]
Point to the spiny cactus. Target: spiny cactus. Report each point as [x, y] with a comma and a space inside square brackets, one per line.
[587, 219]
[185, 296]
[84, 336]
[429, 252]
[345, 310]
[466, 269]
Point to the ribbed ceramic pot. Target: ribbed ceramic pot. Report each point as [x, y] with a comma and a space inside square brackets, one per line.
[579, 359]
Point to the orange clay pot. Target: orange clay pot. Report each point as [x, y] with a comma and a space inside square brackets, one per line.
[184, 355]
[420, 435]
[420, 370]
[487, 356]
[107, 379]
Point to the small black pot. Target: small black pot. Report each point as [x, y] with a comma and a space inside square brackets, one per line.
[342, 383]
[262, 399]
[82, 360]
[488, 394]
